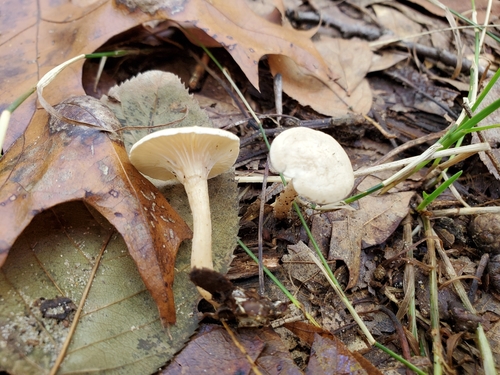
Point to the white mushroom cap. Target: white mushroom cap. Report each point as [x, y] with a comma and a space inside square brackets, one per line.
[179, 152]
[317, 164]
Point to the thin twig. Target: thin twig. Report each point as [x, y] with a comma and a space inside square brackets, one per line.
[479, 273]
[405, 348]
[261, 224]
[76, 318]
[241, 348]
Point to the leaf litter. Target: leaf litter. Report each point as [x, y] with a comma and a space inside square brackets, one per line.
[402, 120]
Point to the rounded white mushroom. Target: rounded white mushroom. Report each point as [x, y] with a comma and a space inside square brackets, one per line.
[192, 155]
[316, 163]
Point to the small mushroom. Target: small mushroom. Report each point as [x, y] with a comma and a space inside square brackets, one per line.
[317, 165]
[192, 155]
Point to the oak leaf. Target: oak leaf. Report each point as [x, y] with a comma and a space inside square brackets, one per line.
[61, 162]
[57, 33]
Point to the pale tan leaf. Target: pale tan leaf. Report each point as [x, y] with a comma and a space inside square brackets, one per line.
[349, 59]
[401, 26]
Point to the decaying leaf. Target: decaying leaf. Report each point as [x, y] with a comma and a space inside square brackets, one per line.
[213, 351]
[119, 330]
[329, 355]
[372, 223]
[60, 162]
[308, 273]
[153, 98]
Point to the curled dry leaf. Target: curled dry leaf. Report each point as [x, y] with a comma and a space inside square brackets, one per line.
[244, 34]
[349, 59]
[60, 162]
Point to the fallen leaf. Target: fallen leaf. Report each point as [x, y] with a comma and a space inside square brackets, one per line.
[245, 35]
[326, 358]
[308, 273]
[119, 329]
[213, 351]
[384, 59]
[349, 59]
[153, 99]
[401, 26]
[58, 162]
[40, 36]
[57, 33]
[370, 224]
[329, 355]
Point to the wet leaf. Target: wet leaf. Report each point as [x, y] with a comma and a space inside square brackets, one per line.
[119, 330]
[59, 162]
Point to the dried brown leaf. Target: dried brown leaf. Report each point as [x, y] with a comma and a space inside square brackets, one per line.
[372, 223]
[56, 33]
[213, 351]
[329, 355]
[333, 99]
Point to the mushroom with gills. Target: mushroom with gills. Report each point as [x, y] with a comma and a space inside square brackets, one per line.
[317, 165]
[192, 155]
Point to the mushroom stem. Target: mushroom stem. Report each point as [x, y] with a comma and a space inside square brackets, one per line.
[201, 252]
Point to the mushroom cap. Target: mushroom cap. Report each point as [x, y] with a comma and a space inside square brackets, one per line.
[317, 164]
[183, 152]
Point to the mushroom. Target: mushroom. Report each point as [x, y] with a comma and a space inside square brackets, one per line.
[317, 165]
[192, 155]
